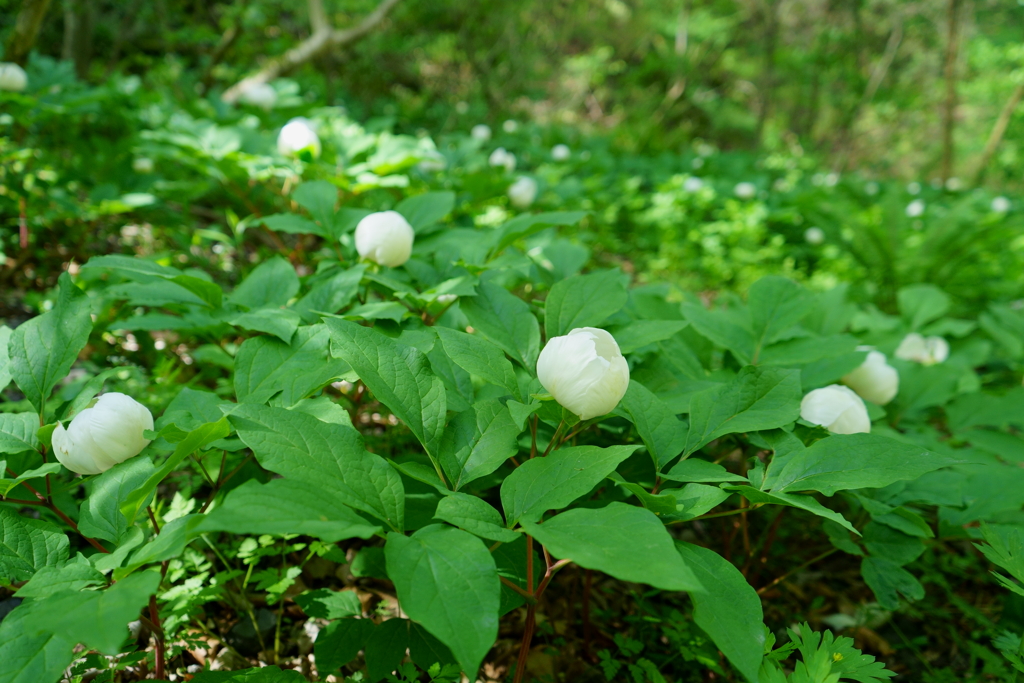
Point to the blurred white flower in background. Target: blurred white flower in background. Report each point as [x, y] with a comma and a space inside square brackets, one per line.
[298, 136]
[522, 192]
[510, 126]
[954, 184]
[502, 158]
[915, 208]
[836, 408]
[745, 190]
[1000, 204]
[914, 188]
[814, 235]
[12, 77]
[481, 132]
[693, 184]
[561, 152]
[923, 350]
[142, 165]
[260, 95]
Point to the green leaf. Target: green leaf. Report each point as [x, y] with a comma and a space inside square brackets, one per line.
[474, 515]
[528, 224]
[583, 301]
[399, 377]
[662, 432]
[552, 483]
[447, 581]
[339, 643]
[640, 333]
[318, 197]
[624, 541]
[7, 485]
[423, 210]
[207, 291]
[192, 408]
[888, 581]
[506, 320]
[478, 357]
[75, 575]
[477, 442]
[807, 503]
[44, 348]
[272, 283]
[283, 506]
[293, 224]
[728, 609]
[30, 656]
[266, 367]
[856, 461]
[5, 356]
[198, 438]
[280, 322]
[18, 432]
[663, 504]
[330, 457]
[149, 273]
[694, 500]
[695, 469]
[170, 543]
[27, 545]
[776, 304]
[921, 304]
[268, 674]
[385, 648]
[327, 604]
[1005, 549]
[895, 546]
[378, 310]
[758, 398]
[330, 295]
[728, 328]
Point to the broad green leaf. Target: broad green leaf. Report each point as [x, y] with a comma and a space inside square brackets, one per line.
[325, 603]
[280, 322]
[458, 384]
[423, 210]
[198, 438]
[74, 575]
[474, 515]
[5, 356]
[378, 310]
[804, 350]
[921, 304]
[330, 457]
[31, 656]
[447, 581]
[728, 328]
[192, 408]
[511, 561]
[27, 545]
[697, 470]
[43, 349]
[284, 506]
[694, 500]
[478, 357]
[272, 283]
[318, 197]
[385, 648]
[661, 431]
[624, 541]
[266, 367]
[895, 546]
[506, 320]
[148, 272]
[807, 503]
[758, 398]
[528, 224]
[856, 461]
[553, 482]
[399, 377]
[986, 410]
[659, 504]
[18, 432]
[728, 609]
[168, 544]
[477, 441]
[293, 224]
[209, 292]
[331, 294]
[640, 333]
[776, 304]
[339, 642]
[7, 485]
[324, 409]
[888, 581]
[583, 301]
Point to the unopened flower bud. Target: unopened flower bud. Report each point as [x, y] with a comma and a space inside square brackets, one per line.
[108, 433]
[481, 132]
[385, 237]
[142, 165]
[522, 192]
[12, 77]
[745, 190]
[923, 350]
[297, 137]
[584, 371]
[814, 235]
[561, 152]
[875, 380]
[502, 157]
[836, 408]
[260, 95]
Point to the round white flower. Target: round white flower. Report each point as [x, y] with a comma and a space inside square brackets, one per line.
[510, 126]
[433, 163]
[298, 136]
[260, 95]
[954, 184]
[501, 157]
[745, 190]
[142, 165]
[385, 237]
[561, 152]
[923, 350]
[584, 371]
[915, 208]
[914, 188]
[871, 188]
[481, 132]
[522, 192]
[875, 380]
[1000, 204]
[692, 184]
[108, 433]
[814, 235]
[836, 408]
[12, 77]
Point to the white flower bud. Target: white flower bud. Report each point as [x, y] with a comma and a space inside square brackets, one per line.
[561, 152]
[584, 371]
[693, 184]
[871, 188]
[12, 77]
[385, 237]
[510, 126]
[745, 190]
[481, 132]
[875, 380]
[836, 408]
[1000, 204]
[298, 136]
[923, 350]
[914, 188]
[142, 165]
[104, 435]
[915, 208]
[522, 192]
[260, 95]
[502, 157]
[814, 235]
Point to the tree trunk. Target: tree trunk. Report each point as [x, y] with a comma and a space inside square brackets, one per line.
[949, 106]
[771, 37]
[79, 20]
[998, 130]
[26, 28]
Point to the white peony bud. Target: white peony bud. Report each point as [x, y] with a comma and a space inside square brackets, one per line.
[561, 152]
[1000, 204]
[836, 408]
[104, 435]
[914, 188]
[745, 190]
[923, 350]
[142, 165]
[502, 157]
[510, 126]
[915, 208]
[12, 77]
[871, 188]
[385, 237]
[692, 184]
[875, 380]
[298, 136]
[522, 192]
[481, 132]
[584, 371]
[814, 235]
[261, 95]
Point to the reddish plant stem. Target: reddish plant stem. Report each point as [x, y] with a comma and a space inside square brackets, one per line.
[57, 511]
[753, 567]
[22, 224]
[154, 616]
[152, 518]
[529, 597]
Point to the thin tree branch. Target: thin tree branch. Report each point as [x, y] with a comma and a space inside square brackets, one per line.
[998, 130]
